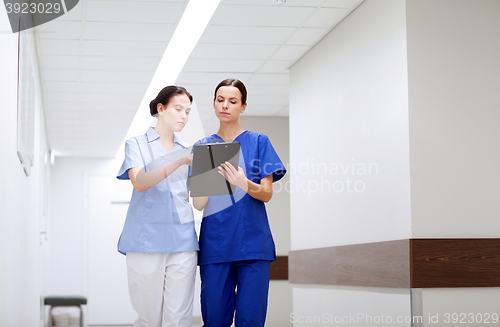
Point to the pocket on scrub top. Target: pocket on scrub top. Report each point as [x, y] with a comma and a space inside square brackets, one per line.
[158, 206]
[210, 238]
[257, 234]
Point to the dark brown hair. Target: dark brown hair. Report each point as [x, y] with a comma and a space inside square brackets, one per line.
[236, 83]
[165, 95]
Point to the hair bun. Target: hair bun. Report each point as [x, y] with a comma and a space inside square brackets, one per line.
[153, 107]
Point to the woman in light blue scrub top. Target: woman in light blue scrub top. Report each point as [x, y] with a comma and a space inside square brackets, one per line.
[236, 245]
[159, 237]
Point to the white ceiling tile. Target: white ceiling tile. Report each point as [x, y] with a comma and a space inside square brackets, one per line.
[229, 51]
[123, 48]
[289, 3]
[283, 16]
[120, 63]
[326, 18]
[58, 62]
[97, 118]
[128, 31]
[290, 52]
[62, 109]
[301, 3]
[276, 66]
[142, 76]
[59, 47]
[128, 88]
[207, 78]
[178, 1]
[53, 115]
[269, 79]
[59, 30]
[60, 86]
[134, 12]
[60, 74]
[246, 34]
[261, 110]
[342, 3]
[260, 100]
[307, 36]
[90, 99]
[201, 65]
[199, 91]
[55, 97]
[268, 90]
[73, 14]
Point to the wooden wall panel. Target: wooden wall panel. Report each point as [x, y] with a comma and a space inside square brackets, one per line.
[381, 264]
[416, 263]
[455, 262]
[279, 268]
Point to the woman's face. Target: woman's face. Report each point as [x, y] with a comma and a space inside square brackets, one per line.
[227, 103]
[175, 114]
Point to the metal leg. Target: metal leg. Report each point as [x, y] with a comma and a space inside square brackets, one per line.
[81, 316]
[50, 316]
[417, 313]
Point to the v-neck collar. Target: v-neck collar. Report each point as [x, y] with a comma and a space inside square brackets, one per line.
[234, 138]
[152, 135]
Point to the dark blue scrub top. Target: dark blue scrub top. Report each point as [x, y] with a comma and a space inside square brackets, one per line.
[236, 227]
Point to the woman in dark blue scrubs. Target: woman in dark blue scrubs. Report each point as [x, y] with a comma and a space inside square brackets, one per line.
[236, 245]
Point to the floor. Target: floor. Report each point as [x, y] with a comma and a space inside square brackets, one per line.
[196, 323]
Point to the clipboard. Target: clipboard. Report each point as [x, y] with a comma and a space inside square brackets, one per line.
[205, 179]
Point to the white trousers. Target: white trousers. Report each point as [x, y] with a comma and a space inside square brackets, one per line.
[161, 287]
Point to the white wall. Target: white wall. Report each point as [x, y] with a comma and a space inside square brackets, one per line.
[349, 106]
[349, 306]
[349, 109]
[23, 208]
[454, 83]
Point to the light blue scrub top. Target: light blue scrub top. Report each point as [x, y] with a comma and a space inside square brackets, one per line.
[160, 219]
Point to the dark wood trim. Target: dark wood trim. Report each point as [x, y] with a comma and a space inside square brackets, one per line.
[279, 268]
[380, 264]
[465, 262]
[416, 263]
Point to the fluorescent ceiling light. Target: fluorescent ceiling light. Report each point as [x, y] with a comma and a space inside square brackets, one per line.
[193, 22]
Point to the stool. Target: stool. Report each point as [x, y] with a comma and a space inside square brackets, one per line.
[65, 301]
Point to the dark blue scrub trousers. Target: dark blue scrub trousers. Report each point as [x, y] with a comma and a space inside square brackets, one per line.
[240, 285]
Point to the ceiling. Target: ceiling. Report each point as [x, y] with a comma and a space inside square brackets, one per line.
[97, 60]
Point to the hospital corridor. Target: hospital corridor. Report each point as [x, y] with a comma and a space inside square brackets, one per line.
[384, 114]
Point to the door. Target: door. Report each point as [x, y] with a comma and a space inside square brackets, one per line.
[108, 298]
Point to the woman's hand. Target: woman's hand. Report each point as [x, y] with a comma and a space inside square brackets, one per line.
[262, 191]
[186, 160]
[233, 176]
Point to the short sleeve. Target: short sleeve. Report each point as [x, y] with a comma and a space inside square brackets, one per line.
[132, 159]
[269, 161]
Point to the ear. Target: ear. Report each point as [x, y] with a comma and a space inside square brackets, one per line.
[243, 108]
[159, 108]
